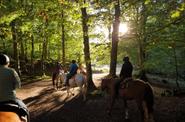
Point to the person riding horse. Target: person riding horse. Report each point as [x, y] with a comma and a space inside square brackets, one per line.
[127, 68]
[9, 81]
[57, 70]
[72, 71]
[126, 72]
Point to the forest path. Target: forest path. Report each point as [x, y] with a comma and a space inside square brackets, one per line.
[48, 105]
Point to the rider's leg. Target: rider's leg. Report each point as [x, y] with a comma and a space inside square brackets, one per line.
[25, 111]
[67, 79]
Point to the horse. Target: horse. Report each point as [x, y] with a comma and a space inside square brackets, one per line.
[11, 117]
[131, 89]
[57, 78]
[13, 112]
[78, 80]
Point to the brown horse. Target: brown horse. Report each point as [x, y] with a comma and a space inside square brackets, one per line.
[11, 117]
[57, 79]
[131, 89]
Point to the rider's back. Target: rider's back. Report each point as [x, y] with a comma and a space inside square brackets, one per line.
[9, 81]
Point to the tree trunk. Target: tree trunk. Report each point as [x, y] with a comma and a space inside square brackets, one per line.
[176, 65]
[91, 85]
[15, 47]
[142, 41]
[44, 50]
[22, 53]
[43, 59]
[32, 54]
[115, 40]
[63, 39]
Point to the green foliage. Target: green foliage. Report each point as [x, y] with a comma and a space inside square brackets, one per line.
[164, 30]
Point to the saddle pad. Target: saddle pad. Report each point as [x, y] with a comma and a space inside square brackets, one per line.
[79, 77]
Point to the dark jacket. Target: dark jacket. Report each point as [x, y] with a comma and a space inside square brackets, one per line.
[126, 70]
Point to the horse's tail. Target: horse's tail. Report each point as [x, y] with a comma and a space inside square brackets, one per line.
[149, 98]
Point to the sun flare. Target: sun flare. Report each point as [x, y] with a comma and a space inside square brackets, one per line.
[123, 28]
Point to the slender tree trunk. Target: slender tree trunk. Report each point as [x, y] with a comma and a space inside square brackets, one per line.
[176, 66]
[15, 47]
[4, 45]
[44, 50]
[63, 39]
[115, 40]
[91, 85]
[142, 40]
[32, 54]
[22, 53]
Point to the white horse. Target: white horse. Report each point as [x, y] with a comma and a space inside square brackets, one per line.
[79, 80]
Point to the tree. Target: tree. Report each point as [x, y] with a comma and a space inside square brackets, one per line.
[115, 33]
[86, 47]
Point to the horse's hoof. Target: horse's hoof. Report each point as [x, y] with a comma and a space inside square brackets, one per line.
[108, 113]
[127, 120]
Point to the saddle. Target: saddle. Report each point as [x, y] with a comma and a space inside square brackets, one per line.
[11, 106]
[123, 85]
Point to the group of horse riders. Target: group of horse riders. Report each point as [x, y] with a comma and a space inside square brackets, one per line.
[9, 81]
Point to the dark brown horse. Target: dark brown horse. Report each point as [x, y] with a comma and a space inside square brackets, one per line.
[131, 89]
[57, 79]
[11, 117]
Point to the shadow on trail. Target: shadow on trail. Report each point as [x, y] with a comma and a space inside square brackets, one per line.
[54, 106]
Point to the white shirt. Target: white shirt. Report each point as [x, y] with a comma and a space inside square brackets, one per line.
[9, 81]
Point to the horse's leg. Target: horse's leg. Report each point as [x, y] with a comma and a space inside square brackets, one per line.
[84, 90]
[56, 84]
[61, 81]
[53, 80]
[140, 107]
[145, 110]
[69, 91]
[126, 109]
[112, 100]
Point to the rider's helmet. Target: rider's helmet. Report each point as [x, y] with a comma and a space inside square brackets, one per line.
[126, 58]
[4, 59]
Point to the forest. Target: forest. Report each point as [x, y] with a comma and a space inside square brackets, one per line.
[36, 34]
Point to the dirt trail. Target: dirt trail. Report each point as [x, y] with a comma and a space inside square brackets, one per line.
[48, 105]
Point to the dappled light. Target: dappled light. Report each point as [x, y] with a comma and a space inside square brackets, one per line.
[58, 52]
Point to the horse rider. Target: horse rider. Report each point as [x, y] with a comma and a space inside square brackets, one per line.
[126, 72]
[72, 71]
[57, 70]
[9, 82]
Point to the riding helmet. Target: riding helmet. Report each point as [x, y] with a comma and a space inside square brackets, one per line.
[4, 59]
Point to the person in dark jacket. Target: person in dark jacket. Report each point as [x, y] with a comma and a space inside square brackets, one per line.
[127, 68]
[72, 71]
[126, 72]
